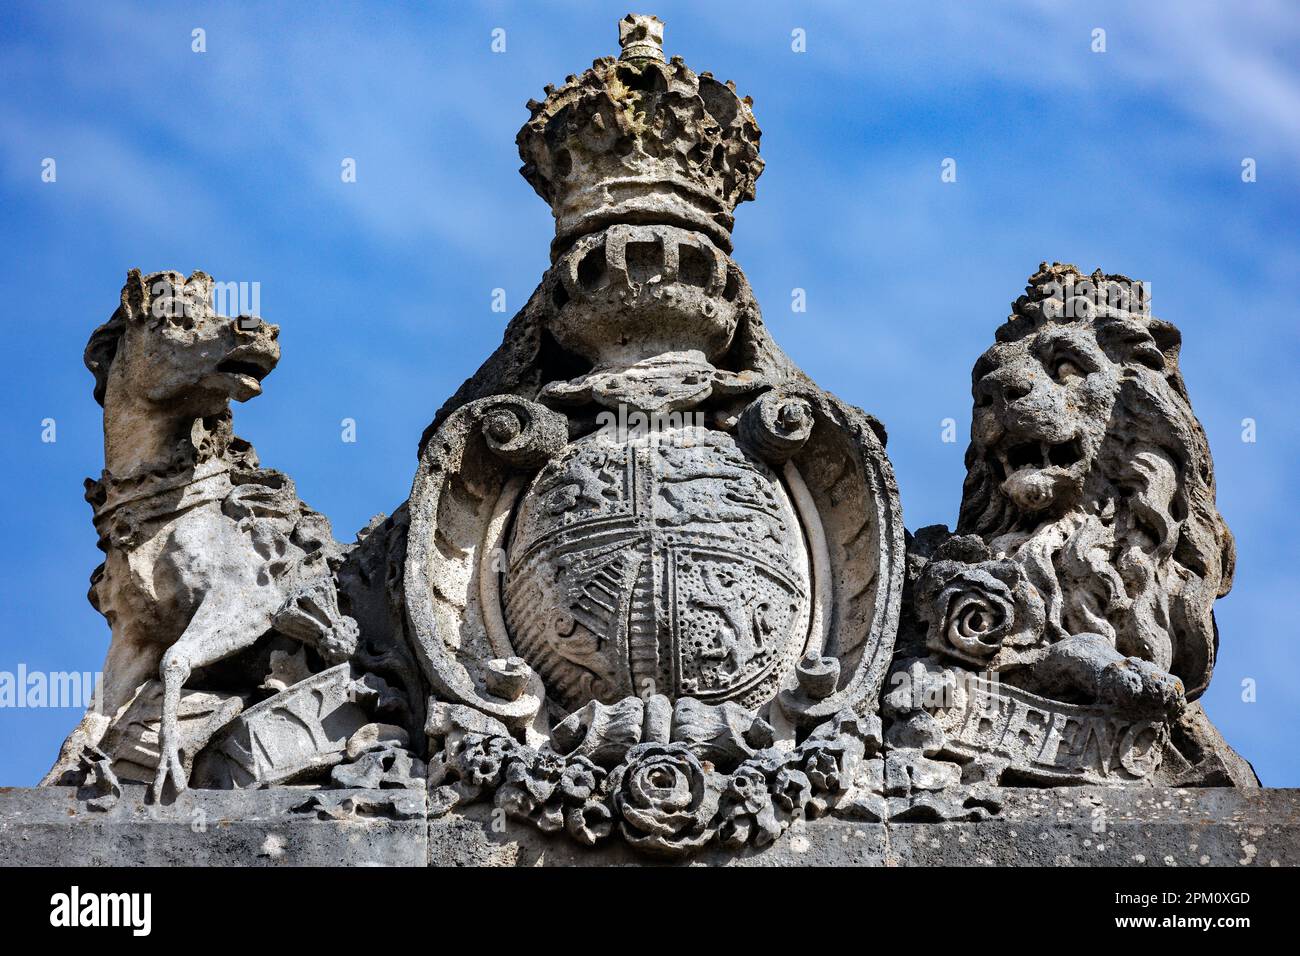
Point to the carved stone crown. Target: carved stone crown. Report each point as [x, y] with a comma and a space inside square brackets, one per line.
[1060, 290]
[637, 140]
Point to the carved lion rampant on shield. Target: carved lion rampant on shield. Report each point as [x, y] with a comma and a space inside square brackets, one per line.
[1088, 556]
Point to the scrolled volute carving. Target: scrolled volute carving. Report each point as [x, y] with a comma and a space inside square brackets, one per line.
[458, 637]
[521, 432]
[776, 426]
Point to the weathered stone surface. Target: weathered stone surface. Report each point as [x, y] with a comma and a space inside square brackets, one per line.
[287, 738]
[212, 564]
[1084, 826]
[205, 551]
[644, 501]
[48, 826]
[1096, 826]
[1063, 826]
[133, 738]
[636, 139]
[376, 737]
[673, 562]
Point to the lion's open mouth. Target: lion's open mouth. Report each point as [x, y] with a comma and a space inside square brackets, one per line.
[1034, 474]
[1034, 456]
[1043, 454]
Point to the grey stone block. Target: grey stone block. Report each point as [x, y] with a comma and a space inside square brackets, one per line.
[1083, 826]
[49, 826]
[469, 839]
[1097, 826]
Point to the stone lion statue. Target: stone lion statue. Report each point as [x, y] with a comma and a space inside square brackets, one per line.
[1089, 550]
[1087, 465]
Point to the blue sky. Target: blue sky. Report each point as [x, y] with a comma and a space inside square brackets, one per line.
[229, 161]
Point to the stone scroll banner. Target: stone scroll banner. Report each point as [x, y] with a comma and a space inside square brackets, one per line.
[1049, 741]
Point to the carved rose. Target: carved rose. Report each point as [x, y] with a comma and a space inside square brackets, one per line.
[977, 608]
[666, 798]
[747, 810]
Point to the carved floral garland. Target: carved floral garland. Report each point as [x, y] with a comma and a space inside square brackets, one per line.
[661, 797]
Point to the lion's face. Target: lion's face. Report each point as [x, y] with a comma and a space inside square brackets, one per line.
[1041, 404]
[1045, 402]
[1087, 464]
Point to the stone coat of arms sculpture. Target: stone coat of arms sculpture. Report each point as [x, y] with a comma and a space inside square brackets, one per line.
[650, 578]
[645, 552]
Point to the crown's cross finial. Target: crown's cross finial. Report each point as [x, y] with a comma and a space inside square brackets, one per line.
[641, 36]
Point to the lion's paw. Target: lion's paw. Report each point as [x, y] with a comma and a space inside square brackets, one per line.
[1139, 687]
